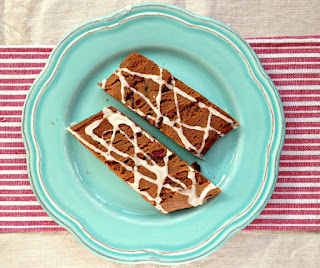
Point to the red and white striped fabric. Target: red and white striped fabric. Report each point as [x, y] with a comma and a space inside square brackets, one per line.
[293, 63]
[19, 208]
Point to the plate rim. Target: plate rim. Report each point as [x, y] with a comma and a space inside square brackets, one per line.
[75, 227]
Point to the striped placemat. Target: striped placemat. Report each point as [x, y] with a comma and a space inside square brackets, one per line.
[293, 63]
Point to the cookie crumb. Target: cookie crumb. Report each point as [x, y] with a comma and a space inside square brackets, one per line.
[196, 166]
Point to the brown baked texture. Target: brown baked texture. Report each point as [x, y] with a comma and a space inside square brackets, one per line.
[136, 158]
[176, 110]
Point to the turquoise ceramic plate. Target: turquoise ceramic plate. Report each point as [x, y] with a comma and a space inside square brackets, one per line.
[100, 210]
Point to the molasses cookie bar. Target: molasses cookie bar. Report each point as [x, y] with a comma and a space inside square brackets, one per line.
[177, 110]
[151, 169]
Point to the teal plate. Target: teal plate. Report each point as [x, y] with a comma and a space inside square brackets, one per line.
[84, 196]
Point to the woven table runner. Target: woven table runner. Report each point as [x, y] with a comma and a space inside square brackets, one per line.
[293, 63]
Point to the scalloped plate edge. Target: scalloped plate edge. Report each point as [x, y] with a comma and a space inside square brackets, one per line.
[156, 257]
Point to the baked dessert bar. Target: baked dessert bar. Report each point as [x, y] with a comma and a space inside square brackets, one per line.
[156, 173]
[167, 103]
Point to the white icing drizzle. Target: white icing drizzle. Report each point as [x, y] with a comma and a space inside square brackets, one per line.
[195, 200]
[165, 120]
[104, 82]
[116, 119]
[73, 124]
